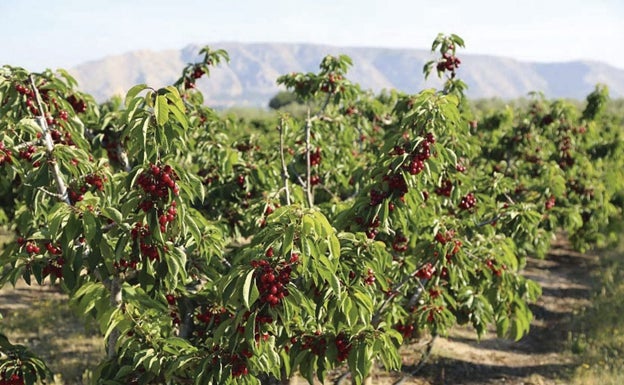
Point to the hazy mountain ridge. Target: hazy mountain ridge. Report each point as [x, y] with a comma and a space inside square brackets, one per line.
[250, 77]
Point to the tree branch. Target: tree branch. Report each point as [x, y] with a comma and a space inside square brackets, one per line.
[61, 187]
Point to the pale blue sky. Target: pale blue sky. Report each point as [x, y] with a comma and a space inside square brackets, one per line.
[62, 33]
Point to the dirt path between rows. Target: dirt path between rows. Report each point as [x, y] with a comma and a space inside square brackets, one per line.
[540, 358]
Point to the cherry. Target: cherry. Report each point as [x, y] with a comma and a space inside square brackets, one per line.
[271, 281]
[370, 277]
[550, 203]
[467, 202]
[399, 244]
[445, 189]
[315, 157]
[426, 272]
[343, 345]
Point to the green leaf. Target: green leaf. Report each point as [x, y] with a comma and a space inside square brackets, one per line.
[287, 243]
[334, 246]
[133, 92]
[179, 115]
[250, 291]
[112, 213]
[89, 225]
[161, 110]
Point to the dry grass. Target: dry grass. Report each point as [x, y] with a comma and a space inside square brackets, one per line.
[599, 336]
[41, 319]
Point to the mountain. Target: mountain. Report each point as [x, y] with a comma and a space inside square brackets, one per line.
[249, 78]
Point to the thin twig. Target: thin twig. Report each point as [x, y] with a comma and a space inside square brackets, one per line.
[377, 316]
[423, 360]
[308, 185]
[285, 175]
[297, 176]
[27, 144]
[490, 221]
[323, 107]
[55, 195]
[341, 378]
[115, 301]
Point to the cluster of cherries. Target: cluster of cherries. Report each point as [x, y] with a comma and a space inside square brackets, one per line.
[55, 265]
[209, 175]
[399, 243]
[433, 311]
[407, 331]
[268, 211]
[189, 80]
[448, 62]
[420, 155]
[579, 188]
[315, 157]
[157, 182]
[240, 180]
[77, 104]
[60, 138]
[330, 86]
[91, 180]
[566, 160]
[377, 197]
[5, 155]
[239, 363]
[238, 360]
[467, 202]
[168, 216]
[445, 188]
[316, 343]
[96, 181]
[491, 264]
[141, 232]
[124, 264]
[211, 316]
[261, 319]
[29, 246]
[447, 237]
[343, 345]
[426, 271]
[13, 379]
[395, 184]
[369, 279]
[30, 95]
[175, 317]
[371, 226]
[272, 280]
[550, 202]
[28, 152]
